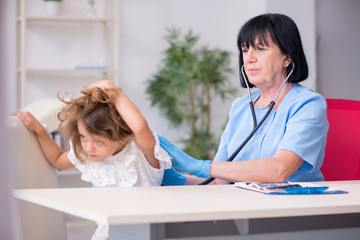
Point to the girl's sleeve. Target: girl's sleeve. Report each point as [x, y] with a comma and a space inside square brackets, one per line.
[153, 176]
[161, 155]
[73, 159]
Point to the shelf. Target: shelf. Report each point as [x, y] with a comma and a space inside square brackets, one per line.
[65, 71]
[29, 28]
[66, 19]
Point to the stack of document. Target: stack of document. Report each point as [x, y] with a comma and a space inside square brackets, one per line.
[288, 188]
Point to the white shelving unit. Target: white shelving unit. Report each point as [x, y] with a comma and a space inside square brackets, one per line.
[109, 22]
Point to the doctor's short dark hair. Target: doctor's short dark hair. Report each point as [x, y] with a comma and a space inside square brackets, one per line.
[283, 32]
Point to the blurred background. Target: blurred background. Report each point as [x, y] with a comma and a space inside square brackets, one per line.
[40, 57]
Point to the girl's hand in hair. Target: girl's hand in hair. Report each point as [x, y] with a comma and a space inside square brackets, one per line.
[103, 84]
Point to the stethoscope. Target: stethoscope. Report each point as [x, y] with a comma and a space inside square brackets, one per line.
[256, 125]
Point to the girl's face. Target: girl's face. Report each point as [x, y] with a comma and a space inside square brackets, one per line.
[265, 66]
[98, 147]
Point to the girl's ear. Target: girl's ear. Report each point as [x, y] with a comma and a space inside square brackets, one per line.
[124, 140]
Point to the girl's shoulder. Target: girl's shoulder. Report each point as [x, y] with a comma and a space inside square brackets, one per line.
[73, 159]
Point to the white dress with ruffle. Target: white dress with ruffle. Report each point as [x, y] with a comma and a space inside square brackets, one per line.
[128, 168]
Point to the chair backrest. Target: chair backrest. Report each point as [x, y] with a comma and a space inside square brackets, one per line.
[31, 170]
[46, 110]
[342, 152]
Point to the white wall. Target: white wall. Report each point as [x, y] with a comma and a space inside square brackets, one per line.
[303, 13]
[338, 51]
[142, 28]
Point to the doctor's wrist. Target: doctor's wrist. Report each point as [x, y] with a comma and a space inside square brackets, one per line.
[204, 169]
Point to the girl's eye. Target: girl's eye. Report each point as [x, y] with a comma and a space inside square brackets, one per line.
[82, 138]
[98, 142]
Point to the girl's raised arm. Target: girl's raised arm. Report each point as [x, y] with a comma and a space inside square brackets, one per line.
[53, 153]
[135, 120]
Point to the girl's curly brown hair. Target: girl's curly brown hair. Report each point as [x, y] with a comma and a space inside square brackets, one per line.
[96, 108]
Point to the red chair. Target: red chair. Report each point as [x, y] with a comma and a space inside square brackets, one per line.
[342, 151]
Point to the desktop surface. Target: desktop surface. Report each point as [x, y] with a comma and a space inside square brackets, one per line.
[139, 205]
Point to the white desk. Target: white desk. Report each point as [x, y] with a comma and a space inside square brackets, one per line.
[146, 205]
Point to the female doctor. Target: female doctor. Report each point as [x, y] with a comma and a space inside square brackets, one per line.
[289, 144]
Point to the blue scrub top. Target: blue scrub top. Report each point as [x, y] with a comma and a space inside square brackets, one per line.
[299, 125]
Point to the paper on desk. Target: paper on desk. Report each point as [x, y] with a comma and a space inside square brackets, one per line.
[289, 188]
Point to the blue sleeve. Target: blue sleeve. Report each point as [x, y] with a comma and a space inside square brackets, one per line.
[306, 131]
[221, 154]
[238, 116]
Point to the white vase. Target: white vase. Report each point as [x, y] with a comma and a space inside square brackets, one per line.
[52, 8]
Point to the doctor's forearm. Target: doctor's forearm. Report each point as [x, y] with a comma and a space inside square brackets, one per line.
[252, 171]
[272, 169]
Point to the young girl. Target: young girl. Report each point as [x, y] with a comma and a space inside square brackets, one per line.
[110, 141]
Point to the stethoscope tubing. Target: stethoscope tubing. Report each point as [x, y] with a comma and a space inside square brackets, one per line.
[256, 125]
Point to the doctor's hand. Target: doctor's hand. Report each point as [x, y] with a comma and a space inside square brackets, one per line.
[173, 178]
[184, 162]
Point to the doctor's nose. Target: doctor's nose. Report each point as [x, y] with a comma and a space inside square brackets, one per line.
[250, 56]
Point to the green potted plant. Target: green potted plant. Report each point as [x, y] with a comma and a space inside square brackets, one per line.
[52, 7]
[185, 85]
